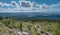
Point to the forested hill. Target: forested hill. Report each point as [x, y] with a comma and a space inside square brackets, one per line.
[29, 15]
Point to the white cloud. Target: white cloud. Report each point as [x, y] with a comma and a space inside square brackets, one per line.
[43, 7]
[5, 4]
[1, 3]
[15, 4]
[55, 5]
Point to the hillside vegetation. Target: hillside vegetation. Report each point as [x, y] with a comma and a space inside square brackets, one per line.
[33, 27]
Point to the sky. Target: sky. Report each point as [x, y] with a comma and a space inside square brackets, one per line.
[37, 1]
[44, 5]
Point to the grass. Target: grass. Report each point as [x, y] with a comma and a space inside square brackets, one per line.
[31, 26]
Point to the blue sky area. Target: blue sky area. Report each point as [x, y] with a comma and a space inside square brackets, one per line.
[37, 1]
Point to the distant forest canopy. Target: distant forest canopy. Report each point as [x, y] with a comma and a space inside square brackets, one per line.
[33, 19]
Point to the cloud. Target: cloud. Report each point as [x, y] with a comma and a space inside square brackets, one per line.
[44, 6]
[5, 4]
[52, 6]
[1, 3]
[41, 7]
[55, 5]
[15, 4]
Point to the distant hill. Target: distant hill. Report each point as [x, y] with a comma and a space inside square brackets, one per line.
[30, 15]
